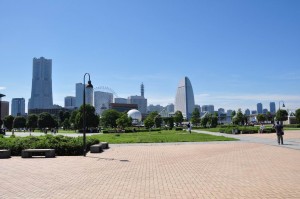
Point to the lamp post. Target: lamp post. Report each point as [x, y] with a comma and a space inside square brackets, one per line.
[282, 104]
[89, 85]
[1, 95]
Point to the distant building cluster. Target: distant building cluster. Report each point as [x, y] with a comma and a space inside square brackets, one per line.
[41, 99]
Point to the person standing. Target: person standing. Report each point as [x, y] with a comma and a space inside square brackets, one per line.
[279, 132]
[262, 127]
[189, 127]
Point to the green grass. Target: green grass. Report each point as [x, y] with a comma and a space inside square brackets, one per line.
[159, 137]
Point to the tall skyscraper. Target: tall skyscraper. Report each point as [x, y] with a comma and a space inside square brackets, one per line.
[259, 108]
[221, 110]
[247, 112]
[18, 107]
[142, 90]
[272, 107]
[102, 101]
[208, 108]
[70, 102]
[184, 100]
[89, 95]
[41, 90]
[4, 109]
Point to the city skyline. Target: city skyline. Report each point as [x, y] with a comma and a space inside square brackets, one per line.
[237, 54]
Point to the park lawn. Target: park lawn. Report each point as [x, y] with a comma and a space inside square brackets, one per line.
[159, 137]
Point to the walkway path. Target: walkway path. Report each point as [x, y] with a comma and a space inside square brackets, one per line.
[254, 167]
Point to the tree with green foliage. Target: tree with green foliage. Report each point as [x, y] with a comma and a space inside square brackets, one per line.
[213, 120]
[281, 115]
[269, 117]
[66, 124]
[8, 122]
[195, 117]
[109, 118]
[32, 121]
[238, 117]
[204, 120]
[233, 113]
[178, 117]
[72, 119]
[124, 121]
[169, 121]
[92, 120]
[19, 122]
[149, 122]
[158, 121]
[261, 118]
[297, 114]
[45, 120]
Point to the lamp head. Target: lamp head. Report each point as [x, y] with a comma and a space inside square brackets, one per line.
[89, 85]
[1, 95]
[283, 105]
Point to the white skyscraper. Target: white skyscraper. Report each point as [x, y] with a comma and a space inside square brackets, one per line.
[89, 95]
[18, 107]
[41, 90]
[102, 101]
[184, 100]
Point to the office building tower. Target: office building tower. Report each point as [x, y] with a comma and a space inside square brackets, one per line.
[170, 108]
[102, 101]
[208, 108]
[259, 108]
[184, 100]
[140, 101]
[41, 90]
[18, 107]
[272, 108]
[265, 111]
[221, 110]
[4, 109]
[70, 102]
[89, 95]
[247, 112]
[142, 90]
[254, 112]
[120, 100]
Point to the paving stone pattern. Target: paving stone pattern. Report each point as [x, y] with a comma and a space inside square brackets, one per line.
[237, 169]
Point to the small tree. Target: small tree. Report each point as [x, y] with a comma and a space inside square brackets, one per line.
[297, 113]
[124, 121]
[19, 122]
[281, 115]
[92, 120]
[149, 122]
[261, 118]
[195, 117]
[109, 118]
[8, 121]
[45, 120]
[178, 117]
[204, 120]
[32, 121]
[72, 119]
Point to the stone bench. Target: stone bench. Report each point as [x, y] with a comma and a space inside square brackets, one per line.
[104, 145]
[96, 148]
[49, 153]
[4, 153]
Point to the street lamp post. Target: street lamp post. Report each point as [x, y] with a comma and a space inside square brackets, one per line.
[282, 104]
[1, 95]
[89, 85]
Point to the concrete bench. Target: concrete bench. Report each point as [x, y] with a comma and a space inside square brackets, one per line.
[96, 148]
[104, 145]
[4, 153]
[49, 153]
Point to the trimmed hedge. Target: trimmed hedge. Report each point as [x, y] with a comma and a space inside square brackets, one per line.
[63, 145]
[245, 129]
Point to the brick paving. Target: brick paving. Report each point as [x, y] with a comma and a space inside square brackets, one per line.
[235, 169]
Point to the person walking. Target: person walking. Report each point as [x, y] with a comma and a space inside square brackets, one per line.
[189, 127]
[262, 127]
[279, 132]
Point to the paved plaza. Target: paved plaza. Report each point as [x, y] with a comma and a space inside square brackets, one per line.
[255, 167]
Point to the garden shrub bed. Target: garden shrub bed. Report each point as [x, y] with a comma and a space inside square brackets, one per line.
[245, 129]
[63, 145]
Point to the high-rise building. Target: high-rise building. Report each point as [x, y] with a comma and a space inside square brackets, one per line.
[142, 90]
[272, 107]
[198, 107]
[247, 112]
[253, 112]
[4, 109]
[102, 101]
[259, 108]
[18, 107]
[170, 108]
[41, 90]
[265, 111]
[184, 100]
[89, 95]
[208, 108]
[221, 110]
[70, 102]
[140, 101]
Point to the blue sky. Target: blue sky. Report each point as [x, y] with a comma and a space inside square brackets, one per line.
[236, 53]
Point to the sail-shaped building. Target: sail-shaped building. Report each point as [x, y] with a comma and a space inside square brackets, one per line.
[184, 100]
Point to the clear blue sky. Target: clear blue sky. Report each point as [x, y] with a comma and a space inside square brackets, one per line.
[236, 53]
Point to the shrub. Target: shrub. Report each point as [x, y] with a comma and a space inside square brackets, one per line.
[63, 145]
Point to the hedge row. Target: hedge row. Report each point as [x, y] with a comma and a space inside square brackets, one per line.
[245, 130]
[63, 145]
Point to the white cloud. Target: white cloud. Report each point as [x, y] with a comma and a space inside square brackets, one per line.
[2, 88]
